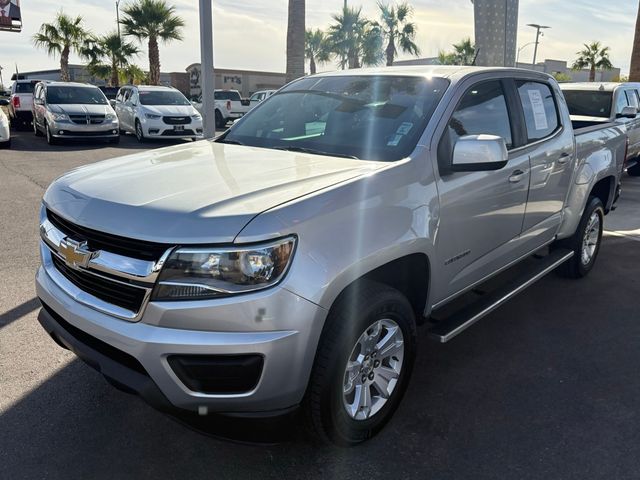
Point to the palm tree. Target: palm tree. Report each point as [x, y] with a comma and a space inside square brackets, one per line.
[593, 56]
[464, 52]
[107, 54]
[153, 21]
[355, 40]
[317, 48]
[398, 30]
[133, 75]
[63, 36]
[446, 58]
[295, 40]
[634, 74]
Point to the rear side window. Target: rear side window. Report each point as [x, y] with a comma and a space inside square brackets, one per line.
[540, 109]
[482, 110]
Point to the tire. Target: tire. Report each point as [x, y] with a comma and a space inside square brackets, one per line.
[220, 122]
[51, 140]
[36, 130]
[634, 171]
[368, 308]
[139, 132]
[585, 243]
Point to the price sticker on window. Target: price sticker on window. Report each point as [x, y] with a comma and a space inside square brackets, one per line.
[537, 107]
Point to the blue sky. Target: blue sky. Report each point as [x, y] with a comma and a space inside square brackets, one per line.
[251, 34]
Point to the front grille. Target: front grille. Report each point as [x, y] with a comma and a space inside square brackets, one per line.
[124, 296]
[84, 133]
[177, 120]
[128, 247]
[83, 119]
[176, 133]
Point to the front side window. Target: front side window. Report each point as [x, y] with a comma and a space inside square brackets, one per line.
[621, 101]
[540, 110]
[163, 97]
[482, 110]
[366, 117]
[65, 95]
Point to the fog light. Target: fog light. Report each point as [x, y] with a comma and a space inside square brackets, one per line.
[61, 132]
[114, 131]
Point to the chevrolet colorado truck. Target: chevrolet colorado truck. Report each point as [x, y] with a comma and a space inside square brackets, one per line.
[288, 263]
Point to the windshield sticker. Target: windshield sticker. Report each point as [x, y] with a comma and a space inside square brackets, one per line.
[394, 141]
[537, 106]
[404, 128]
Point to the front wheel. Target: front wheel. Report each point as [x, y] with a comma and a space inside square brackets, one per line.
[51, 140]
[363, 364]
[36, 130]
[585, 243]
[139, 132]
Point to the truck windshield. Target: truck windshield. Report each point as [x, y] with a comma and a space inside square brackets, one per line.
[589, 103]
[75, 95]
[163, 98]
[365, 117]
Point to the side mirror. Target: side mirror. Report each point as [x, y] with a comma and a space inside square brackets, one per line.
[628, 112]
[38, 101]
[474, 153]
[112, 103]
[4, 102]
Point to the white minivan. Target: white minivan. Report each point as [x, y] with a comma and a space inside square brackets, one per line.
[152, 112]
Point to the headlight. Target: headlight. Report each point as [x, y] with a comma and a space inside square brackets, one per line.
[202, 273]
[60, 117]
[197, 117]
[152, 116]
[111, 117]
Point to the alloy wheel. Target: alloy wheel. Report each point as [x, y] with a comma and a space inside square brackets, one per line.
[591, 238]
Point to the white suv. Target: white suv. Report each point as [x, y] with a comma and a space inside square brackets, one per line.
[157, 112]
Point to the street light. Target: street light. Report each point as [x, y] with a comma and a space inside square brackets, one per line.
[207, 74]
[538, 33]
[522, 48]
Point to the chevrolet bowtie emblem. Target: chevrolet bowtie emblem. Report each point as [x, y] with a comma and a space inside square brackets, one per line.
[75, 253]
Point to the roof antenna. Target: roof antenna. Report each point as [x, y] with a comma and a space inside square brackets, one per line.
[475, 57]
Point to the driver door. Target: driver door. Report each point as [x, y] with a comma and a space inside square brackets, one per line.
[481, 211]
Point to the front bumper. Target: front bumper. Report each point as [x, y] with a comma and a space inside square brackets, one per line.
[276, 324]
[157, 128]
[74, 130]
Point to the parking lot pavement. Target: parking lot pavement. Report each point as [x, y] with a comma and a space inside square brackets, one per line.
[545, 387]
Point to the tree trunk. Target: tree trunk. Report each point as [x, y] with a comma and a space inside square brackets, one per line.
[115, 77]
[64, 64]
[391, 52]
[634, 74]
[295, 40]
[312, 66]
[154, 61]
[592, 74]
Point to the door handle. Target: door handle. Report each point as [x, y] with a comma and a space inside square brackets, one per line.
[516, 176]
[564, 158]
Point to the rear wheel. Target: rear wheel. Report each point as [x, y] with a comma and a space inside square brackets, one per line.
[585, 243]
[363, 364]
[220, 122]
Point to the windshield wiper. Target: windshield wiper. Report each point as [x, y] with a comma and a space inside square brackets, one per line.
[313, 151]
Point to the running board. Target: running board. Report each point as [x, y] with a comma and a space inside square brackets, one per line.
[448, 328]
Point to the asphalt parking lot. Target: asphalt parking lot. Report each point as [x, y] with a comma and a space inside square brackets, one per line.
[546, 387]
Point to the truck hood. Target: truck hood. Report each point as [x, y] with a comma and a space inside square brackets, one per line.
[202, 192]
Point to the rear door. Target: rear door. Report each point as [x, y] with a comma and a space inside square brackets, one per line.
[551, 151]
[481, 212]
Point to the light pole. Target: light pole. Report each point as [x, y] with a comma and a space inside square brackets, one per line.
[207, 75]
[537, 42]
[118, 18]
[522, 48]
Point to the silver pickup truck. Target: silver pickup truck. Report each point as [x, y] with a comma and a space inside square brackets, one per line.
[289, 262]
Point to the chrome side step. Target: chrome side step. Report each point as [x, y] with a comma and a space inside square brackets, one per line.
[448, 328]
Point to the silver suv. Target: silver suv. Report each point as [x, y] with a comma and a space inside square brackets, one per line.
[73, 110]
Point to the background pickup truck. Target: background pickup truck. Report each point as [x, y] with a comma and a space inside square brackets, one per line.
[290, 262]
[20, 108]
[239, 106]
[593, 104]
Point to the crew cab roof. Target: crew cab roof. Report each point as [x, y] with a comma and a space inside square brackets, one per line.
[599, 86]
